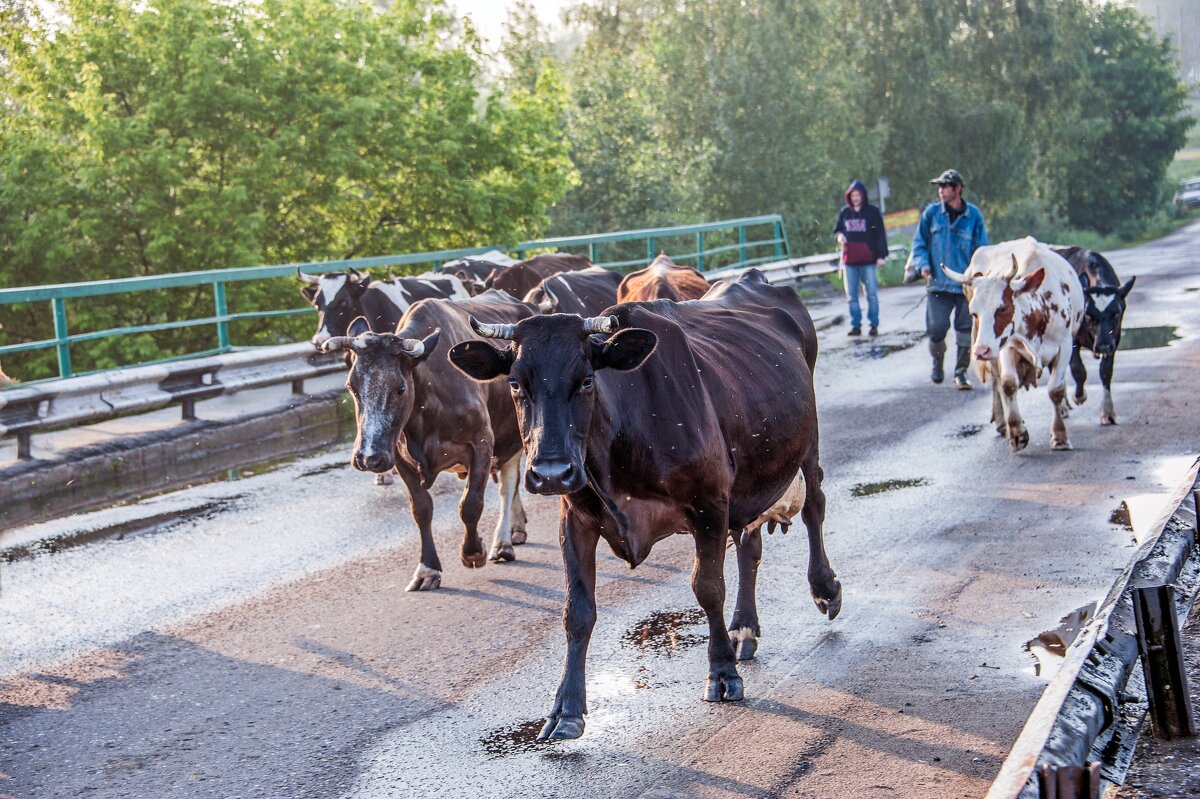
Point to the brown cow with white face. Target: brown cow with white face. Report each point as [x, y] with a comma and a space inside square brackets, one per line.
[1027, 304]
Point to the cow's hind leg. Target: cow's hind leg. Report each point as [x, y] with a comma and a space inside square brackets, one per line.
[470, 508]
[578, 536]
[1079, 373]
[1058, 398]
[744, 629]
[502, 541]
[708, 583]
[1107, 414]
[429, 571]
[519, 519]
[822, 581]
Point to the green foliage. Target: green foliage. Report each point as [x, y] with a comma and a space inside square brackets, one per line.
[145, 138]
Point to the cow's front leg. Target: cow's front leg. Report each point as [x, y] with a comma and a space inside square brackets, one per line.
[708, 583]
[822, 581]
[470, 508]
[502, 541]
[1018, 436]
[1107, 414]
[744, 629]
[1058, 397]
[998, 407]
[578, 536]
[1079, 373]
[429, 571]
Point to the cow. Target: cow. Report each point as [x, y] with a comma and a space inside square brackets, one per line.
[586, 292]
[5, 380]
[341, 297]
[520, 278]
[662, 279]
[475, 270]
[421, 416]
[1027, 305]
[663, 417]
[1100, 331]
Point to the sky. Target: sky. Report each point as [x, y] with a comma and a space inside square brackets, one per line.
[489, 15]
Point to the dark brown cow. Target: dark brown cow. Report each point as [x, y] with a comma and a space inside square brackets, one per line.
[679, 417]
[587, 292]
[409, 401]
[519, 279]
[663, 279]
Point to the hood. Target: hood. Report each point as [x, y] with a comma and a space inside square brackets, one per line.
[858, 184]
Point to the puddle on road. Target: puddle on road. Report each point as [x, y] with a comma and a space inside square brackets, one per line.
[1049, 648]
[158, 523]
[514, 740]
[661, 633]
[329, 467]
[1145, 338]
[966, 431]
[1121, 517]
[874, 350]
[871, 489]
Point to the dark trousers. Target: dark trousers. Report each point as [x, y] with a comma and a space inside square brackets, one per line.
[938, 307]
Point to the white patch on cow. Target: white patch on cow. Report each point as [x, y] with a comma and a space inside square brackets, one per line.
[394, 292]
[567, 285]
[510, 481]
[1102, 301]
[330, 286]
[787, 507]
[491, 256]
[321, 336]
[372, 430]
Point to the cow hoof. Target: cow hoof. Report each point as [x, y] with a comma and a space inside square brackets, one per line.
[562, 728]
[724, 689]
[503, 552]
[745, 643]
[474, 560]
[1020, 441]
[830, 607]
[1107, 419]
[426, 579]
[1080, 398]
[383, 479]
[1061, 446]
[519, 536]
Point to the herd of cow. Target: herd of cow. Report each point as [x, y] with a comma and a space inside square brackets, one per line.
[655, 404]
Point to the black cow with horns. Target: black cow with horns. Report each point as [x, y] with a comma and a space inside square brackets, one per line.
[664, 417]
[418, 414]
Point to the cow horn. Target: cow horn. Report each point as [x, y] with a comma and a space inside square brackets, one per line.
[600, 324]
[493, 331]
[357, 273]
[412, 346]
[1012, 272]
[306, 278]
[957, 277]
[337, 343]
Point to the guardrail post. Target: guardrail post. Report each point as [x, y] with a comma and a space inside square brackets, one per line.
[593, 248]
[700, 251]
[1069, 782]
[298, 386]
[60, 335]
[24, 445]
[741, 245]
[188, 407]
[222, 312]
[650, 249]
[1162, 662]
[778, 238]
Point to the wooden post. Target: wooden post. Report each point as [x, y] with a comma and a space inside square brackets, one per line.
[1162, 662]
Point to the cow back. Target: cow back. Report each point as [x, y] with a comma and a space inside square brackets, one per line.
[586, 292]
[662, 279]
[519, 279]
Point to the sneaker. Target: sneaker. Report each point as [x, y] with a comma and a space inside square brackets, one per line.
[960, 381]
[855, 331]
[874, 331]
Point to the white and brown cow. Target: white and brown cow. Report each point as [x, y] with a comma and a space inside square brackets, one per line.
[1027, 304]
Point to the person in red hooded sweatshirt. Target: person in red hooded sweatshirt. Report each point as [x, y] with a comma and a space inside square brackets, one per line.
[859, 230]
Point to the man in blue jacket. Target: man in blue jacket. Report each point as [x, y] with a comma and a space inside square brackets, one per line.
[859, 230]
[948, 235]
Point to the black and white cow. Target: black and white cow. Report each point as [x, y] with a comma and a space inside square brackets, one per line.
[1100, 331]
[477, 270]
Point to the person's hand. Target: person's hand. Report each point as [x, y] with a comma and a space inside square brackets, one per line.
[840, 238]
[925, 273]
[880, 262]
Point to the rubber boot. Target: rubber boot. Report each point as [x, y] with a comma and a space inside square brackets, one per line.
[938, 350]
[960, 369]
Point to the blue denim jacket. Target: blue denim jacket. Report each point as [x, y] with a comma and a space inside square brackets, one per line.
[939, 243]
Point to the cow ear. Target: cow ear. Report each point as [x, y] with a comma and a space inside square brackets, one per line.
[1123, 292]
[628, 349]
[358, 326]
[310, 292]
[359, 286]
[1031, 282]
[480, 360]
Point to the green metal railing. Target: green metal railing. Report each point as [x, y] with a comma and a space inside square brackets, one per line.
[752, 240]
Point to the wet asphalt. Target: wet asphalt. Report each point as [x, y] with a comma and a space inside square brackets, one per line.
[252, 638]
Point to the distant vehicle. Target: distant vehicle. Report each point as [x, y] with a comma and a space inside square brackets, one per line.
[1189, 193]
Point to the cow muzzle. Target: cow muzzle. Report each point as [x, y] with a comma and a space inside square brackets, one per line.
[376, 462]
[984, 353]
[553, 477]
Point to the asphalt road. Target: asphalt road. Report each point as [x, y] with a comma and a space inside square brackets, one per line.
[255, 639]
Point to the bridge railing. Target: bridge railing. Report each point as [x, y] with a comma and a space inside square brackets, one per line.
[745, 241]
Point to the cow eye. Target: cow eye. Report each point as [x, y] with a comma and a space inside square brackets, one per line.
[514, 385]
[587, 383]
[399, 389]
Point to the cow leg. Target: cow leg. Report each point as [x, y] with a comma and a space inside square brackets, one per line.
[998, 406]
[822, 581]
[578, 537]
[429, 571]
[519, 519]
[708, 584]
[1079, 372]
[744, 629]
[470, 507]
[1018, 436]
[502, 542]
[1107, 414]
[1058, 397]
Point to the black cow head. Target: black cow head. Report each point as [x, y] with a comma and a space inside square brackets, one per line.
[1105, 308]
[551, 369]
[336, 297]
[380, 380]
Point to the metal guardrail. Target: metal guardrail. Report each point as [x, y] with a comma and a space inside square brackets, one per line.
[789, 271]
[26, 410]
[752, 246]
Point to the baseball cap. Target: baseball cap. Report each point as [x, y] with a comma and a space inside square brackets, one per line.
[949, 177]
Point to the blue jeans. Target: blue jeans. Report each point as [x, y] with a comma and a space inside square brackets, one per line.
[870, 280]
